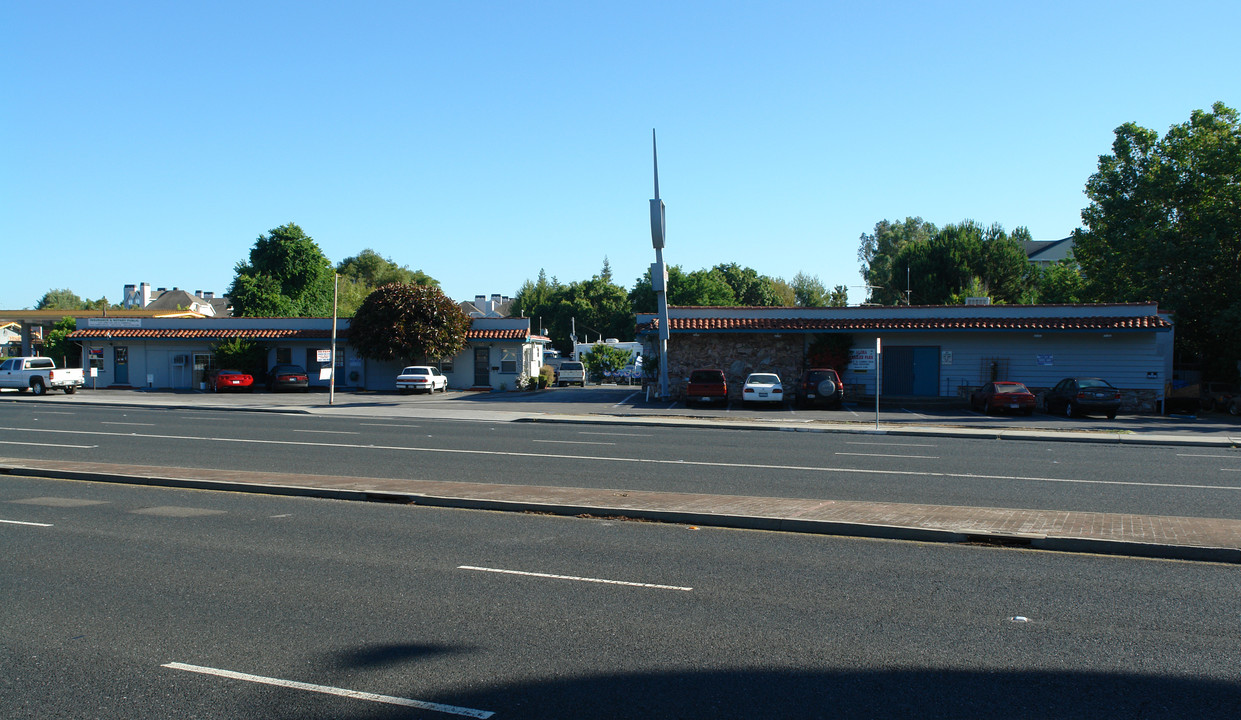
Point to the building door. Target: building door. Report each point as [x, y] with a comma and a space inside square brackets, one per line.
[911, 371]
[120, 365]
[482, 367]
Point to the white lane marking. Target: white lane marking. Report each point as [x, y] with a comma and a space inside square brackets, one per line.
[1230, 457]
[387, 425]
[18, 442]
[1230, 469]
[574, 442]
[632, 460]
[328, 690]
[888, 444]
[52, 412]
[628, 397]
[106, 422]
[330, 432]
[583, 432]
[575, 578]
[19, 522]
[912, 457]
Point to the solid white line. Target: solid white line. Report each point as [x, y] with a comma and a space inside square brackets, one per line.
[1230, 469]
[106, 422]
[583, 432]
[631, 460]
[330, 432]
[19, 522]
[52, 412]
[888, 444]
[573, 442]
[387, 425]
[912, 457]
[575, 578]
[328, 690]
[17, 442]
[1230, 457]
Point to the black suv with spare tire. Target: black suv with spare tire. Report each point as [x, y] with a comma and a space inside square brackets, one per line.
[820, 386]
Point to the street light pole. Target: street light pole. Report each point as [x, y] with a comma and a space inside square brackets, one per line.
[659, 274]
[331, 386]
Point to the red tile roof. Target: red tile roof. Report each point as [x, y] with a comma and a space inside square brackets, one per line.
[183, 334]
[1144, 322]
[511, 334]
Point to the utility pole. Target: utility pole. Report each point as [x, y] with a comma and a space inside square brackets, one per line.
[659, 274]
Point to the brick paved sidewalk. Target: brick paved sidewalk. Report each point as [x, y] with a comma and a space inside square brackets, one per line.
[1189, 538]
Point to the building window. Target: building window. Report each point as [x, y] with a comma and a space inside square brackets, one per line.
[446, 365]
[284, 356]
[508, 360]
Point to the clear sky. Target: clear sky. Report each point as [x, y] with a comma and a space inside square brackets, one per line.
[481, 142]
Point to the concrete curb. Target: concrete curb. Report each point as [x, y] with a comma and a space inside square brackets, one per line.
[705, 519]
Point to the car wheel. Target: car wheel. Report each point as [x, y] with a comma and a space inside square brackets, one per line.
[1235, 407]
[1068, 410]
[1111, 416]
[70, 390]
[36, 386]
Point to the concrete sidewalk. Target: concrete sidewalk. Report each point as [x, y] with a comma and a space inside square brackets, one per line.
[1184, 538]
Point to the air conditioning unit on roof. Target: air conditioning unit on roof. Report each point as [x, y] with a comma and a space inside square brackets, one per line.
[977, 301]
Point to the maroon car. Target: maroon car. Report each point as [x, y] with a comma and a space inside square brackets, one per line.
[706, 385]
[1003, 396]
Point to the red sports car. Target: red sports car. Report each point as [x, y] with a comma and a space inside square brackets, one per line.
[221, 380]
[1003, 395]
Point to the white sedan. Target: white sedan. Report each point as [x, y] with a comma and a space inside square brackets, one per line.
[762, 388]
[421, 378]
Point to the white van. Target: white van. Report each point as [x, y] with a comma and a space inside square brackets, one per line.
[571, 373]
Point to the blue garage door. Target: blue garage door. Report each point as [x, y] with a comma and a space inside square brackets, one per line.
[911, 370]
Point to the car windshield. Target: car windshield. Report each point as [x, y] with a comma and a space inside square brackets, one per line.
[1092, 383]
[1014, 388]
[764, 379]
[415, 371]
[706, 376]
[571, 366]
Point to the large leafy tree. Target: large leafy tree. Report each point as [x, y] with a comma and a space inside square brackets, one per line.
[287, 276]
[749, 288]
[594, 306]
[951, 262]
[1164, 224]
[66, 299]
[58, 346]
[700, 288]
[407, 322]
[362, 273]
[877, 253]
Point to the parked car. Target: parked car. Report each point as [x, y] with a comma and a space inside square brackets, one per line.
[571, 372]
[221, 380]
[820, 386]
[287, 377]
[1083, 396]
[421, 378]
[706, 385]
[38, 375]
[762, 388]
[1217, 395]
[1002, 395]
[1234, 407]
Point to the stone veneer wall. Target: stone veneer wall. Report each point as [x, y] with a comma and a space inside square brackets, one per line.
[738, 355]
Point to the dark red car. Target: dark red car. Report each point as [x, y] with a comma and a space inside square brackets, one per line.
[222, 380]
[1003, 396]
[288, 377]
[706, 385]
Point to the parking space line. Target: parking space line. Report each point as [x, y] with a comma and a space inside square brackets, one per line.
[329, 690]
[575, 578]
[19, 522]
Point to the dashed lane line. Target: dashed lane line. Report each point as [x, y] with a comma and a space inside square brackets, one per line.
[575, 578]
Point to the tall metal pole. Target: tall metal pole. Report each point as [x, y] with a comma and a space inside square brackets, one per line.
[659, 274]
[331, 386]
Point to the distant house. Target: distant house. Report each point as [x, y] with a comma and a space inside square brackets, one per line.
[142, 297]
[497, 306]
[1048, 252]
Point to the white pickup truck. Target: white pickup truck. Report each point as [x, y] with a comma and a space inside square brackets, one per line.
[38, 375]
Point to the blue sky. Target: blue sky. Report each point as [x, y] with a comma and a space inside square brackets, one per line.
[481, 142]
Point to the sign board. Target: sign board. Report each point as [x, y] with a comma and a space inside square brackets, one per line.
[1044, 359]
[107, 322]
[945, 357]
[325, 373]
[861, 359]
[323, 356]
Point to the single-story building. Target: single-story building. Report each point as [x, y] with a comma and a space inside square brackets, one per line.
[927, 351]
[176, 353]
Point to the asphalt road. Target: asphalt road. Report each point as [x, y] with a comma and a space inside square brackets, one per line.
[1157, 480]
[134, 602]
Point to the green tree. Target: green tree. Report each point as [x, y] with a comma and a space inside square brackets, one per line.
[700, 288]
[248, 356]
[783, 293]
[58, 346]
[604, 358]
[1164, 224]
[1061, 283]
[877, 253]
[405, 322]
[808, 290]
[362, 273]
[838, 297]
[965, 257]
[287, 276]
[749, 288]
[63, 299]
